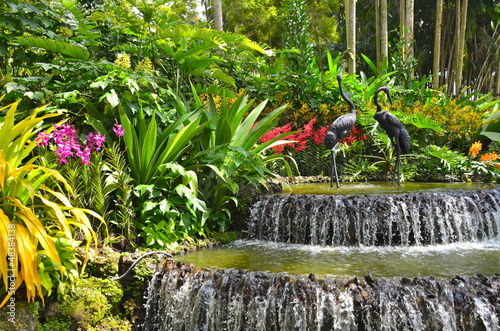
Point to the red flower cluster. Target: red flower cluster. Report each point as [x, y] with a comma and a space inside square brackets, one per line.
[319, 135]
[354, 134]
[275, 132]
[307, 134]
[303, 137]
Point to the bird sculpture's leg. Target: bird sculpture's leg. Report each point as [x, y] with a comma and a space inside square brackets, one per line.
[393, 142]
[334, 168]
[398, 154]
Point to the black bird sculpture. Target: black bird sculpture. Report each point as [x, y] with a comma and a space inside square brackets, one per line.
[396, 131]
[339, 128]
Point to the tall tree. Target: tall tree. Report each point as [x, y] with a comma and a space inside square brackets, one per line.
[436, 68]
[350, 14]
[382, 33]
[218, 15]
[461, 11]
[406, 16]
[497, 88]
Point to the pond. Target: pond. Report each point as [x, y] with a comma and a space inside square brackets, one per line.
[382, 188]
[389, 261]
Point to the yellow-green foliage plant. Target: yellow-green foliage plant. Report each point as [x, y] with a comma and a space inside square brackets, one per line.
[32, 215]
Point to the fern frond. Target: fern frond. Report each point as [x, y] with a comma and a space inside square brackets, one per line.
[119, 176]
[100, 189]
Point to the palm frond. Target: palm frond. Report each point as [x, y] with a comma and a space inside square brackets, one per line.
[62, 47]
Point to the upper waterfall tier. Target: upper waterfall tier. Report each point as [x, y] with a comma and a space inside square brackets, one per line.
[377, 219]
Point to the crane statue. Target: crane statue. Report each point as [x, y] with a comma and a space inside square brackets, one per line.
[400, 138]
[339, 128]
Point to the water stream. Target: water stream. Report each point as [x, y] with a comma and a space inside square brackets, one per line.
[377, 219]
[391, 258]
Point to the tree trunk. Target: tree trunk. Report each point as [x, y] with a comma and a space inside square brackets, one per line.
[460, 30]
[402, 24]
[406, 12]
[497, 88]
[378, 25]
[384, 34]
[436, 68]
[351, 35]
[218, 15]
[409, 36]
[381, 33]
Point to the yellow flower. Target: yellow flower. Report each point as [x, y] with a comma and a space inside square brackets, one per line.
[123, 60]
[475, 148]
[65, 32]
[144, 66]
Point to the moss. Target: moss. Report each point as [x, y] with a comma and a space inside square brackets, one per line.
[112, 324]
[92, 300]
[225, 237]
[54, 325]
[111, 290]
[105, 264]
[20, 317]
[87, 306]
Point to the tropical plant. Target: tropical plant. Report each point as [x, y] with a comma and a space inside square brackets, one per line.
[169, 210]
[150, 144]
[487, 164]
[491, 125]
[229, 154]
[98, 173]
[32, 215]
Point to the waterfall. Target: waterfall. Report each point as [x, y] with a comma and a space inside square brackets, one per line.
[184, 297]
[377, 219]
[229, 299]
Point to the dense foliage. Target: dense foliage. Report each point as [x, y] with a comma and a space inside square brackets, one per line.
[155, 123]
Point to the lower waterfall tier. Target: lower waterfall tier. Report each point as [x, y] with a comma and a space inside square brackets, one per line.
[181, 298]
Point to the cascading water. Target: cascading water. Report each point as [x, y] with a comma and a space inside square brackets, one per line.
[182, 297]
[230, 299]
[377, 219]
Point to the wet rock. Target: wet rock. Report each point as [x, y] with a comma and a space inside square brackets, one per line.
[272, 301]
[370, 280]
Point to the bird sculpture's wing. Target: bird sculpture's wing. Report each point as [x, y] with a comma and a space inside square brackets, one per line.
[392, 120]
[389, 122]
[404, 141]
[339, 128]
[394, 129]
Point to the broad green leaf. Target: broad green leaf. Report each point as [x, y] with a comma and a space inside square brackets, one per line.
[112, 98]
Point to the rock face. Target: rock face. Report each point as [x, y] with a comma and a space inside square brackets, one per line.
[184, 299]
[376, 219]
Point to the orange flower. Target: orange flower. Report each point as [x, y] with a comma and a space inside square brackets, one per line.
[489, 157]
[475, 148]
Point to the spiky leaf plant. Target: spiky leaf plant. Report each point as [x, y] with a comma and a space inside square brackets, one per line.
[32, 215]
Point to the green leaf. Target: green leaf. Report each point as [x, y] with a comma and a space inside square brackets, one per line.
[112, 98]
[148, 230]
[150, 240]
[65, 48]
[495, 136]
